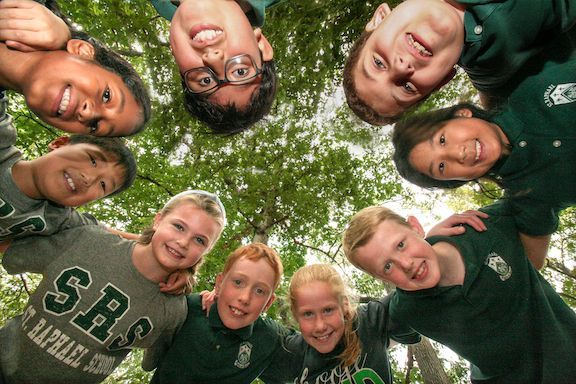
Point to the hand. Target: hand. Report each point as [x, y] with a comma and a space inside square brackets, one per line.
[28, 26]
[208, 298]
[454, 225]
[176, 284]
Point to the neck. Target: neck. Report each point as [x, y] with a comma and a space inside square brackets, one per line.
[23, 177]
[459, 8]
[16, 67]
[451, 264]
[145, 262]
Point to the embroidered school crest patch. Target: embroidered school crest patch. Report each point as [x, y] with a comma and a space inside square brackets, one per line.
[560, 94]
[243, 359]
[498, 264]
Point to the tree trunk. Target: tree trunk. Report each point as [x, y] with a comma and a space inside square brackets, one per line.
[430, 365]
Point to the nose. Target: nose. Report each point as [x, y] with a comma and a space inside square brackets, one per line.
[183, 242]
[319, 324]
[457, 153]
[244, 296]
[401, 67]
[86, 112]
[212, 56]
[88, 178]
[405, 263]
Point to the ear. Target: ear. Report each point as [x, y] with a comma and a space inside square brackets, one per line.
[80, 48]
[264, 45]
[464, 112]
[59, 142]
[269, 303]
[382, 11]
[415, 225]
[218, 285]
[449, 76]
[157, 219]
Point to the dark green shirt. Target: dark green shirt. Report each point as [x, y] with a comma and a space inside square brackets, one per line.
[505, 319]
[501, 35]
[205, 351]
[539, 120]
[256, 16]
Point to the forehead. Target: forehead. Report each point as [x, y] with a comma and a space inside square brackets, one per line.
[315, 293]
[257, 270]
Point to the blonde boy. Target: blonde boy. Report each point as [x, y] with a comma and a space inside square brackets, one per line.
[476, 293]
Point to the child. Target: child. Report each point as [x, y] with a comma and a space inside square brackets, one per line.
[233, 344]
[36, 196]
[525, 147]
[476, 293]
[226, 65]
[407, 53]
[338, 342]
[83, 88]
[99, 296]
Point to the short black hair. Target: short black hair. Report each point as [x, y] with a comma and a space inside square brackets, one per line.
[115, 147]
[228, 120]
[420, 127]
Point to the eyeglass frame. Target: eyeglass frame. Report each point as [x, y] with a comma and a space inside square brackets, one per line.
[221, 82]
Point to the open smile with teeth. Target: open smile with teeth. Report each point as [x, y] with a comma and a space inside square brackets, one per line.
[174, 253]
[323, 338]
[236, 311]
[478, 147]
[64, 102]
[70, 182]
[419, 272]
[418, 46]
[207, 35]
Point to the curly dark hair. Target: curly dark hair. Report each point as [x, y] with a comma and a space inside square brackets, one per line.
[228, 120]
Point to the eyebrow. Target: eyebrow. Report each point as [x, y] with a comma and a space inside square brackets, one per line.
[431, 168]
[120, 109]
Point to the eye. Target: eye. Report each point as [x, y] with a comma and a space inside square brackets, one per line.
[237, 282]
[378, 63]
[307, 314]
[409, 88]
[261, 292]
[106, 95]
[387, 267]
[441, 168]
[178, 227]
[442, 140]
[103, 185]
[205, 81]
[92, 161]
[240, 73]
[93, 126]
[328, 310]
[200, 240]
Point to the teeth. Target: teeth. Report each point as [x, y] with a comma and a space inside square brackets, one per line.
[236, 311]
[423, 51]
[322, 338]
[64, 102]
[478, 150]
[207, 34]
[419, 271]
[173, 252]
[70, 181]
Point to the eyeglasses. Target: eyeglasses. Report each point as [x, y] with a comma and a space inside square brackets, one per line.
[238, 70]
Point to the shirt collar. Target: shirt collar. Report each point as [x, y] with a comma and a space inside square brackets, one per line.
[215, 322]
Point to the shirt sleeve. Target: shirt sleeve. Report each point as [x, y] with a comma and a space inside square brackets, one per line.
[164, 8]
[531, 217]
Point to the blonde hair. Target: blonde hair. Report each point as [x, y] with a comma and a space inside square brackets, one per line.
[206, 201]
[255, 252]
[362, 227]
[327, 274]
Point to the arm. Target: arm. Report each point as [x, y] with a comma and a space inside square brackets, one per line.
[27, 26]
[125, 235]
[4, 246]
[454, 225]
[536, 248]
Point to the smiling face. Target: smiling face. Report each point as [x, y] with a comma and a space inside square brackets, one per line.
[75, 174]
[182, 236]
[320, 315]
[206, 33]
[464, 148]
[399, 254]
[72, 93]
[245, 292]
[411, 52]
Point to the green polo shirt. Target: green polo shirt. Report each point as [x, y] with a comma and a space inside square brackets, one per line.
[256, 16]
[205, 351]
[538, 119]
[505, 318]
[501, 35]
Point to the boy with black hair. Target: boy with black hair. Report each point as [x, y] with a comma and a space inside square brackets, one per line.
[37, 196]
